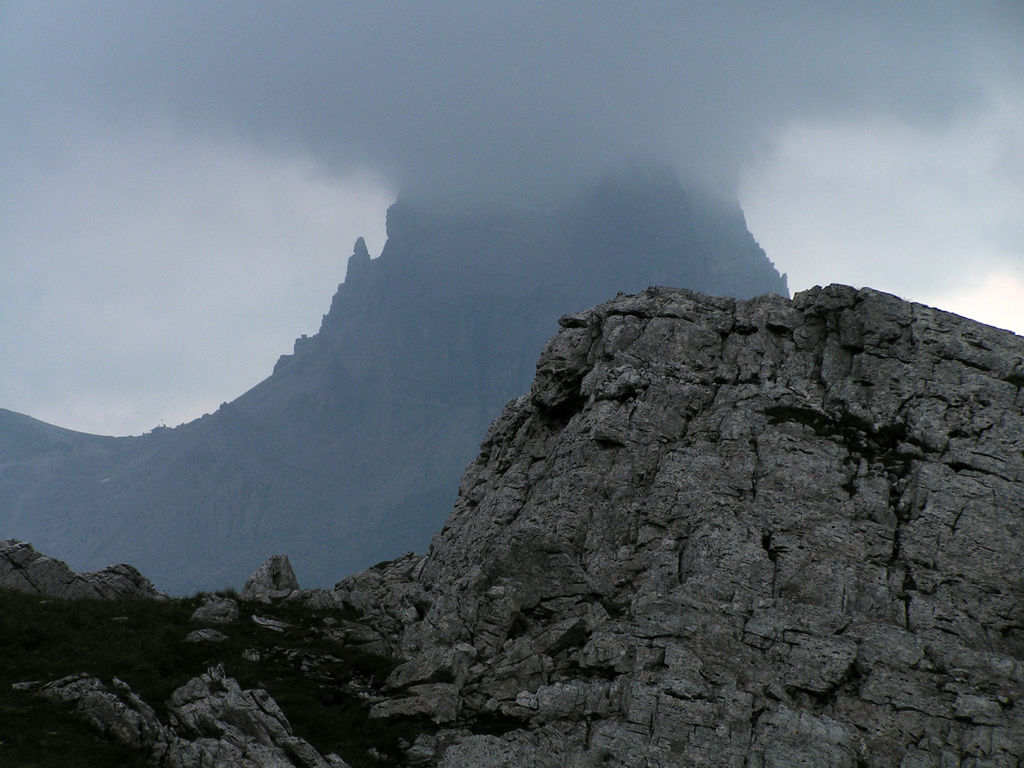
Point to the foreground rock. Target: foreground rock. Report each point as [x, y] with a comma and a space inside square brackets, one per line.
[273, 580]
[211, 722]
[215, 610]
[25, 570]
[762, 533]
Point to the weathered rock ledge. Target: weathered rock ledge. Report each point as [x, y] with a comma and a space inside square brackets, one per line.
[731, 533]
[25, 570]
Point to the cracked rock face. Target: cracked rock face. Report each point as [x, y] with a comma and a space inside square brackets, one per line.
[737, 533]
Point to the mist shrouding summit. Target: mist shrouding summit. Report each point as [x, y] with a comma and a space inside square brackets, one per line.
[511, 103]
[181, 182]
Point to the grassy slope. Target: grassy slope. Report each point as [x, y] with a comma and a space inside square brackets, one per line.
[141, 642]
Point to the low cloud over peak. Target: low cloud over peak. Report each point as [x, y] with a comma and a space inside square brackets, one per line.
[502, 100]
[182, 183]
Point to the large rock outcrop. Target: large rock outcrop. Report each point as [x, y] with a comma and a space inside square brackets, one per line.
[351, 452]
[273, 580]
[731, 533]
[25, 570]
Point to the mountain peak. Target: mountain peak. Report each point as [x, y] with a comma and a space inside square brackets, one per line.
[359, 252]
[352, 450]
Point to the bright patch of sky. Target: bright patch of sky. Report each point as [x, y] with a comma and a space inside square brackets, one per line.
[196, 263]
[932, 215]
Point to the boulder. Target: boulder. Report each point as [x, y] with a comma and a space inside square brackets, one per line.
[436, 701]
[273, 580]
[216, 610]
[206, 636]
[274, 625]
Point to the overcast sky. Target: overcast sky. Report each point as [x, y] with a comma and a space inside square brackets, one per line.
[181, 183]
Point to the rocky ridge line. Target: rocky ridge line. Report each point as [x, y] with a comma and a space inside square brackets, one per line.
[25, 570]
[735, 533]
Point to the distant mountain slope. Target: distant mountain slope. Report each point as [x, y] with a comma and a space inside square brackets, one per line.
[23, 438]
[351, 451]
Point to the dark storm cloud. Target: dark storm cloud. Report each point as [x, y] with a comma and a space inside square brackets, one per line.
[181, 182]
[476, 100]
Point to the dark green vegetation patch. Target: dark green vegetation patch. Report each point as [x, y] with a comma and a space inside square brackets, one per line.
[142, 643]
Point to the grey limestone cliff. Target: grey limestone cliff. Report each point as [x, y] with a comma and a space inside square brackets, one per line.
[730, 533]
